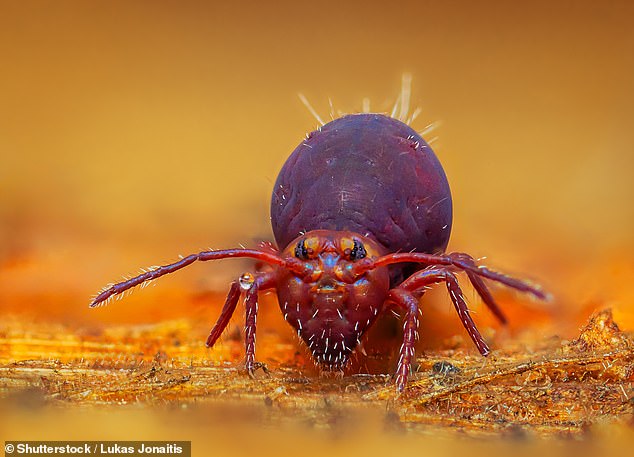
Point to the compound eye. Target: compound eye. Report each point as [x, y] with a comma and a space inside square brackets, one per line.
[358, 251]
[307, 248]
[301, 252]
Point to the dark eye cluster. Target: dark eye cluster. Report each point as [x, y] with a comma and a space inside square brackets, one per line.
[358, 251]
[300, 250]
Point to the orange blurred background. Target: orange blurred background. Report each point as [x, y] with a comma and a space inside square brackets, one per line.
[132, 131]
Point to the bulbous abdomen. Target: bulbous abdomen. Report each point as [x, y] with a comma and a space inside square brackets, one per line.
[369, 174]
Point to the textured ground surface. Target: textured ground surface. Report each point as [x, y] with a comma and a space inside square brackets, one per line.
[555, 388]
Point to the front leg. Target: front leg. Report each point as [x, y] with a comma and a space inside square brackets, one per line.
[252, 285]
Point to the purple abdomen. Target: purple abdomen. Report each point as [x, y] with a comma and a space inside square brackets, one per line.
[366, 173]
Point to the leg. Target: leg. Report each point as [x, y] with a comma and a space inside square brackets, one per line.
[482, 290]
[406, 300]
[252, 285]
[457, 260]
[404, 297]
[424, 278]
[225, 315]
[251, 312]
[156, 272]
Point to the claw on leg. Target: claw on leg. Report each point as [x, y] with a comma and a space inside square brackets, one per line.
[255, 367]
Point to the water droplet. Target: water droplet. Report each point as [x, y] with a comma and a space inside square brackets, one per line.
[246, 281]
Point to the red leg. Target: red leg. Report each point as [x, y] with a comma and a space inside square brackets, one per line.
[252, 285]
[225, 315]
[484, 293]
[251, 307]
[463, 311]
[153, 273]
[404, 297]
[406, 300]
[457, 260]
[424, 278]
